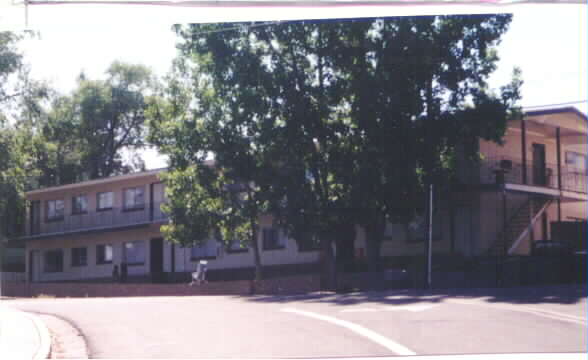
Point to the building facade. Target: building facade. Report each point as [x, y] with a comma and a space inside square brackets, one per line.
[530, 188]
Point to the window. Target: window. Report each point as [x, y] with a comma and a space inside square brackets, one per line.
[134, 252]
[310, 243]
[104, 200]
[79, 257]
[271, 239]
[236, 246]
[576, 160]
[53, 261]
[55, 210]
[104, 254]
[417, 231]
[133, 198]
[205, 250]
[79, 204]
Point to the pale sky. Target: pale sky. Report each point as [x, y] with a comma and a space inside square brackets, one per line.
[548, 42]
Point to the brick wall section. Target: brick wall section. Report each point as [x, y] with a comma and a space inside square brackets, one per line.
[285, 285]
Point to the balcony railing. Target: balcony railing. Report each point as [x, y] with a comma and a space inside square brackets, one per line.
[100, 219]
[544, 175]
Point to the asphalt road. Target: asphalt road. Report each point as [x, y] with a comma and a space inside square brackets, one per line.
[371, 324]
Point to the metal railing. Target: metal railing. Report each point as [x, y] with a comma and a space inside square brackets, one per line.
[544, 175]
[100, 219]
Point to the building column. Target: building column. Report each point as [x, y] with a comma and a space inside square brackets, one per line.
[150, 202]
[558, 149]
[524, 149]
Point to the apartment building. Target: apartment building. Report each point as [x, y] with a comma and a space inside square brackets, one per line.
[80, 232]
[531, 188]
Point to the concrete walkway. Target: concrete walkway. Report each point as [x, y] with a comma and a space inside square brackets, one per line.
[22, 335]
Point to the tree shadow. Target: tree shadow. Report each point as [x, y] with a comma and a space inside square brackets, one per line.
[555, 294]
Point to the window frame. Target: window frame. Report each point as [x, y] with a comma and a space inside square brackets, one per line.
[134, 263]
[101, 260]
[206, 256]
[232, 250]
[75, 263]
[46, 254]
[437, 231]
[573, 164]
[277, 245]
[54, 218]
[135, 206]
[308, 248]
[74, 209]
[98, 208]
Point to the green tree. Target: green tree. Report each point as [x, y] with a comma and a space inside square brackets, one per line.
[338, 122]
[219, 198]
[417, 90]
[110, 114]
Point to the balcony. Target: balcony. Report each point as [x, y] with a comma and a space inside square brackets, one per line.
[572, 178]
[102, 220]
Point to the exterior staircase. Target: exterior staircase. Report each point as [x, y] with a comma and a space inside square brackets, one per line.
[519, 225]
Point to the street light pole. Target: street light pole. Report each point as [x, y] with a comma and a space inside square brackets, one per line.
[430, 237]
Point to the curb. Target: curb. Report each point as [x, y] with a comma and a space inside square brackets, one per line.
[44, 337]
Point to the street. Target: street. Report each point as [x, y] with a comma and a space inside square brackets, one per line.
[364, 324]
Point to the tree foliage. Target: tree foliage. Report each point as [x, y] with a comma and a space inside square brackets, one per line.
[335, 122]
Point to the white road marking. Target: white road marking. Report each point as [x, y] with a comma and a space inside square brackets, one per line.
[358, 329]
[412, 308]
[358, 310]
[529, 310]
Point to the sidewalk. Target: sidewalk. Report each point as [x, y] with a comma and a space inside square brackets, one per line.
[22, 335]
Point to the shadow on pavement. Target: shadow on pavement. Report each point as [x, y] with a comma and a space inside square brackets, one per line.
[561, 294]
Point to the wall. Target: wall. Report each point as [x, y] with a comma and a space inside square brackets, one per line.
[91, 191]
[226, 260]
[282, 286]
[92, 270]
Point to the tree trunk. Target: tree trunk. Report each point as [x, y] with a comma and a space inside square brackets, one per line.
[345, 248]
[374, 235]
[329, 273]
[255, 246]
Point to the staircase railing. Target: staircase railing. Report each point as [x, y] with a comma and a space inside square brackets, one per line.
[529, 227]
[509, 222]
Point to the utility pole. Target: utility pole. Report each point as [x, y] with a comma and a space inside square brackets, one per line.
[430, 237]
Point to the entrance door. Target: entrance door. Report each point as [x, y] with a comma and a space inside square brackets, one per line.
[539, 168]
[156, 257]
[34, 265]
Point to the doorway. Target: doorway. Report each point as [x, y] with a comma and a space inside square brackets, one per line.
[156, 259]
[35, 217]
[539, 166]
[34, 266]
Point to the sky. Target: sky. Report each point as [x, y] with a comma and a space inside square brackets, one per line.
[548, 42]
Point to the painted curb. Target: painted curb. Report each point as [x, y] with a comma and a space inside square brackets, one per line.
[44, 336]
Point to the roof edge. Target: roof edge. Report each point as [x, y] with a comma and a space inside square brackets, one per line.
[97, 181]
[550, 111]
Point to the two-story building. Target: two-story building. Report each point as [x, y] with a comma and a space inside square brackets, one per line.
[82, 231]
[532, 187]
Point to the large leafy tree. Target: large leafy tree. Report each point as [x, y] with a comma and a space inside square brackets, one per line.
[19, 95]
[110, 116]
[96, 131]
[338, 122]
[417, 90]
